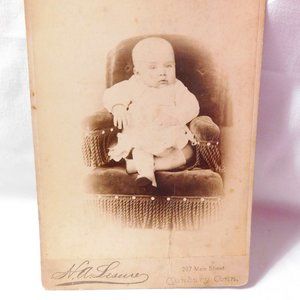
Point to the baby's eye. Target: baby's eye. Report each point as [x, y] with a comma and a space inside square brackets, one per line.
[169, 66]
[152, 67]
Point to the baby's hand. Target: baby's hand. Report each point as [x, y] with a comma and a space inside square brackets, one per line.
[120, 116]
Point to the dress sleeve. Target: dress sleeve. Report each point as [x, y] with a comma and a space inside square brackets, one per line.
[117, 94]
[187, 105]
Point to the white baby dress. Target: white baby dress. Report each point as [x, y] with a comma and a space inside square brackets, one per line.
[157, 116]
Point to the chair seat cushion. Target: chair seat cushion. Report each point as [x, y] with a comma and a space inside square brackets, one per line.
[115, 180]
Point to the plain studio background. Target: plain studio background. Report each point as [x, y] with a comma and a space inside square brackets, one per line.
[275, 246]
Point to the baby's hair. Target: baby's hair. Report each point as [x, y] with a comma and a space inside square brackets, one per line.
[148, 45]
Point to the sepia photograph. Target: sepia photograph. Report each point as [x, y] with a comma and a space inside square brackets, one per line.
[158, 134]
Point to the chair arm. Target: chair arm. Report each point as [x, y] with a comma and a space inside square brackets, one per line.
[205, 129]
[207, 134]
[99, 135]
[100, 120]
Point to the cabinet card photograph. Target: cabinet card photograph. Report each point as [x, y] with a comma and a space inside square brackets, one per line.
[144, 119]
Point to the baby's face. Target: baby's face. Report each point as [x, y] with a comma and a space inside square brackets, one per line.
[157, 68]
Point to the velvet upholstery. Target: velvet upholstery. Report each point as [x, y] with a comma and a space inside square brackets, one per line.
[196, 182]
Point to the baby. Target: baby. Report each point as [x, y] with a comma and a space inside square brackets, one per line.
[152, 108]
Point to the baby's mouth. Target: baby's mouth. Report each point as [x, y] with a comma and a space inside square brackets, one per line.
[163, 81]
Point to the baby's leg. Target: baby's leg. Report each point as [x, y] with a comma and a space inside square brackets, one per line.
[173, 159]
[144, 163]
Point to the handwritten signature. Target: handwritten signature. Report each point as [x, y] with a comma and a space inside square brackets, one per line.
[85, 273]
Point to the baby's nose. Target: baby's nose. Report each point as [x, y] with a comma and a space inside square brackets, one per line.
[162, 72]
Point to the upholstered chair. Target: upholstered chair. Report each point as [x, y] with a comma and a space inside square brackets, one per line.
[186, 196]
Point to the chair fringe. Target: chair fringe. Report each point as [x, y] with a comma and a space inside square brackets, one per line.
[96, 145]
[164, 213]
[209, 152]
